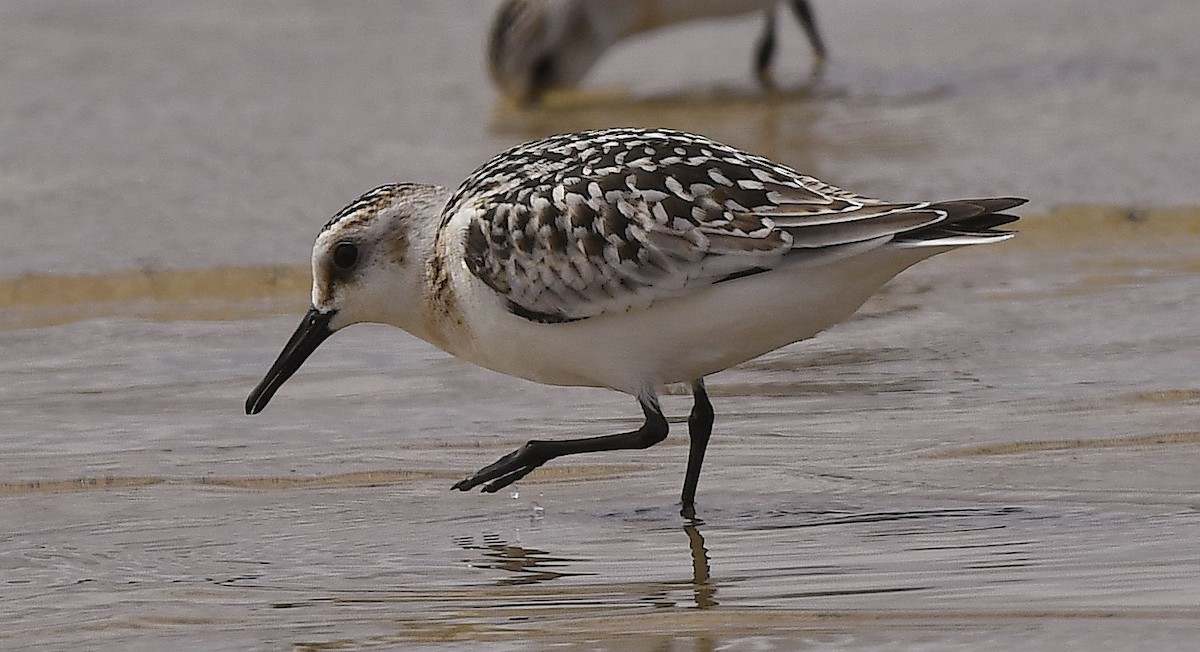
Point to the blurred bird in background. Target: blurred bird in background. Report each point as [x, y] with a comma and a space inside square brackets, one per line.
[539, 45]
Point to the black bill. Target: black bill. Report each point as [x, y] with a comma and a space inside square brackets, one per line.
[313, 330]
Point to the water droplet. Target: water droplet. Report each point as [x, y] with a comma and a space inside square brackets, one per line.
[514, 494]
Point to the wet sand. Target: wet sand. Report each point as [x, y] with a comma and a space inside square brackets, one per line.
[998, 451]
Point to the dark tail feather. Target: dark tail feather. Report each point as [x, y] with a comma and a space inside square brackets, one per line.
[967, 221]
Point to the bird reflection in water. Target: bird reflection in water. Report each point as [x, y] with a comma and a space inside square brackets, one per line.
[702, 586]
[527, 566]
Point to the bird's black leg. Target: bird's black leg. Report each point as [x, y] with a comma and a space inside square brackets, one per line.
[808, 22]
[534, 453]
[765, 51]
[700, 423]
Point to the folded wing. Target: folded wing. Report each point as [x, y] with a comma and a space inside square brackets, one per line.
[604, 222]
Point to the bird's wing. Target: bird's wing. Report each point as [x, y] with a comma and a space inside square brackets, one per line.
[578, 226]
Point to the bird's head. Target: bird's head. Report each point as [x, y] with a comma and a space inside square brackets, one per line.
[368, 265]
[539, 45]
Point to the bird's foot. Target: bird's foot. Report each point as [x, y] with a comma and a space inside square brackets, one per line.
[506, 470]
[688, 512]
[766, 79]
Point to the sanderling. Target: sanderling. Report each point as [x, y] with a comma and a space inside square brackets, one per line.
[536, 45]
[621, 258]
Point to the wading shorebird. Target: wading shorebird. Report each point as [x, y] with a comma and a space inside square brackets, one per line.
[621, 258]
[538, 45]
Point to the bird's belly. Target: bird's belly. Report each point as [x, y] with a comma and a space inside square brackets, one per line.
[682, 339]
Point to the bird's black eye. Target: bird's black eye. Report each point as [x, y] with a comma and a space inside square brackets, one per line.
[345, 254]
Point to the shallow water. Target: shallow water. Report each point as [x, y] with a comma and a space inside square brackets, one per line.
[999, 451]
[965, 464]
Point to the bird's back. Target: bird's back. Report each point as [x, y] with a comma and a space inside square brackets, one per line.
[662, 254]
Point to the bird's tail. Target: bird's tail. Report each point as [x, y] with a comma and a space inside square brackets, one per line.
[968, 222]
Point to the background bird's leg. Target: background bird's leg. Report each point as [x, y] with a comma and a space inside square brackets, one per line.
[534, 453]
[700, 423]
[808, 22]
[765, 51]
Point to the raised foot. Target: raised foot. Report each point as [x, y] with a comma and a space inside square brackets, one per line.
[506, 470]
[534, 453]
